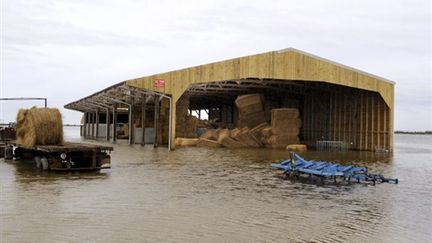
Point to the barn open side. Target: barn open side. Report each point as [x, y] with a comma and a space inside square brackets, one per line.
[336, 102]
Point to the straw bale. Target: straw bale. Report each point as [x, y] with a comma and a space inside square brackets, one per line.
[222, 133]
[231, 143]
[296, 147]
[294, 131]
[185, 142]
[252, 119]
[283, 140]
[285, 123]
[234, 133]
[202, 142]
[256, 131]
[209, 134]
[266, 132]
[284, 113]
[246, 137]
[252, 108]
[246, 100]
[39, 126]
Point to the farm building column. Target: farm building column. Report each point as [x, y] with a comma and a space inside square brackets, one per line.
[173, 113]
[143, 118]
[114, 135]
[156, 120]
[97, 123]
[84, 127]
[108, 124]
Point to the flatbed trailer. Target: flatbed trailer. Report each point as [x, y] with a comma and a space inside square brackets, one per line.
[66, 157]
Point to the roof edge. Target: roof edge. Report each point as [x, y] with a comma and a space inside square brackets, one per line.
[291, 49]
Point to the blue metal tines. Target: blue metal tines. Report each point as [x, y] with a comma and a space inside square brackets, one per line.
[323, 169]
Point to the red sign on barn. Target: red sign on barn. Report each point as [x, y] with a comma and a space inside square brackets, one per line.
[159, 83]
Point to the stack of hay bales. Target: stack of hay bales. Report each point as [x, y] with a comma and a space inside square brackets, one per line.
[186, 126]
[234, 138]
[285, 127]
[39, 126]
[251, 110]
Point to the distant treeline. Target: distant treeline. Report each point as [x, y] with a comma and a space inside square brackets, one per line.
[413, 132]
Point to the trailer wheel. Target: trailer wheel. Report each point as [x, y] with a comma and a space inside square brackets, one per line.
[8, 152]
[44, 163]
[37, 162]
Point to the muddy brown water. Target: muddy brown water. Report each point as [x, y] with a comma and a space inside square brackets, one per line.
[218, 195]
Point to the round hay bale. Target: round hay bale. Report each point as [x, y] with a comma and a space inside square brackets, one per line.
[39, 126]
[296, 147]
[186, 142]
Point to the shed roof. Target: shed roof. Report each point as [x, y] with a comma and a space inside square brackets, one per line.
[285, 65]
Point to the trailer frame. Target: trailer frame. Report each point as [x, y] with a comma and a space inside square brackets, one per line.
[66, 157]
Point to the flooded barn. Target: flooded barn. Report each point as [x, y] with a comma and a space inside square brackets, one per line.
[334, 105]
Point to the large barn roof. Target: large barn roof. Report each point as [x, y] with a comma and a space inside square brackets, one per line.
[287, 64]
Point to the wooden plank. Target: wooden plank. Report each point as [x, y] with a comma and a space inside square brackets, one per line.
[114, 136]
[143, 119]
[156, 121]
[97, 124]
[108, 124]
[385, 127]
[131, 126]
[361, 123]
[84, 133]
[372, 119]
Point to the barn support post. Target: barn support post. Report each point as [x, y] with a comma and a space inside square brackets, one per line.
[108, 124]
[97, 124]
[114, 135]
[156, 121]
[92, 125]
[143, 118]
[84, 127]
[130, 124]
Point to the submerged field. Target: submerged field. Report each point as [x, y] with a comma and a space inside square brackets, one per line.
[198, 194]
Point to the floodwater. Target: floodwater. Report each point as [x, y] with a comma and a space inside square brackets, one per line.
[218, 195]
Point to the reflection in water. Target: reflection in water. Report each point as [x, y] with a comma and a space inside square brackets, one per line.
[197, 194]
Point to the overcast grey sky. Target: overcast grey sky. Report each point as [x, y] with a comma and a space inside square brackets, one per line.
[65, 50]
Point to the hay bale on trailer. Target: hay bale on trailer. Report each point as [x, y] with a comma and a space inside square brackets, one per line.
[39, 126]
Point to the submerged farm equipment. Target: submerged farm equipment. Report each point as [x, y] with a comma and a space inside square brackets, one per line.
[298, 166]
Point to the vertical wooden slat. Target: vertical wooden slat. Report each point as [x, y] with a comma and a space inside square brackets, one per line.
[361, 123]
[156, 121]
[97, 123]
[385, 115]
[92, 125]
[108, 124]
[379, 124]
[372, 128]
[366, 129]
[131, 126]
[335, 118]
[114, 135]
[143, 119]
[84, 129]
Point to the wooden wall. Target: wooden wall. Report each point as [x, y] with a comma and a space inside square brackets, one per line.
[362, 120]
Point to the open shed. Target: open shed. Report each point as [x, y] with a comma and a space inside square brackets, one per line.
[336, 102]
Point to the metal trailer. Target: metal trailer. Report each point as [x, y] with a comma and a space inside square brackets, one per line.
[66, 157]
[297, 166]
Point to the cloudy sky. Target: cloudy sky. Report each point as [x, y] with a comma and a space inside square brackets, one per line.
[65, 50]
